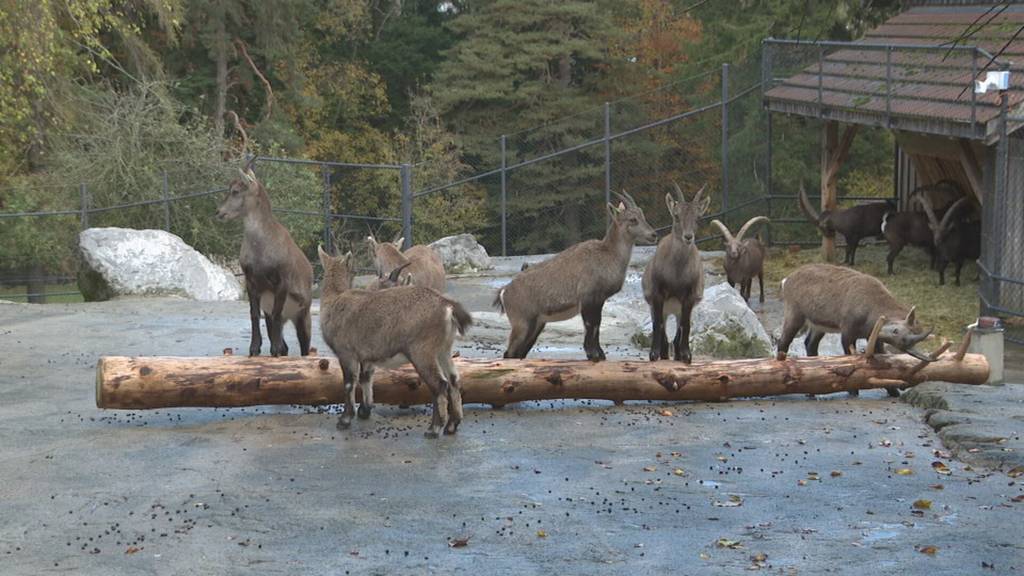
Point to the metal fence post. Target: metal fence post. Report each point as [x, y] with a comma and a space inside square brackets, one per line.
[406, 173]
[504, 208]
[607, 157]
[328, 238]
[888, 86]
[167, 204]
[725, 137]
[84, 195]
[768, 178]
[974, 95]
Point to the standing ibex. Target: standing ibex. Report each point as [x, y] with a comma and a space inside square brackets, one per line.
[278, 277]
[854, 223]
[744, 258]
[829, 298]
[425, 267]
[414, 324]
[576, 281]
[673, 281]
[912, 227]
[957, 239]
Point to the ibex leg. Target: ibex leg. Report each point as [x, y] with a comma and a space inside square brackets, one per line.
[681, 344]
[276, 328]
[349, 371]
[256, 340]
[303, 330]
[659, 343]
[592, 325]
[366, 385]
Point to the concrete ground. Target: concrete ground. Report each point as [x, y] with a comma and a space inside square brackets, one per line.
[791, 485]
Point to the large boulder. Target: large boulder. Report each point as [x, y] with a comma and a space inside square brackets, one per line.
[122, 261]
[723, 326]
[462, 254]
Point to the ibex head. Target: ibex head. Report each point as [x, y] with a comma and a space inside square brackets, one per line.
[244, 195]
[823, 221]
[735, 247]
[630, 219]
[904, 334]
[685, 215]
[338, 272]
[940, 228]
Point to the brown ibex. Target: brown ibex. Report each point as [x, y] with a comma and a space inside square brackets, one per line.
[278, 277]
[576, 281]
[425, 267]
[854, 223]
[391, 280]
[957, 238]
[830, 299]
[366, 329]
[673, 281]
[912, 227]
[744, 258]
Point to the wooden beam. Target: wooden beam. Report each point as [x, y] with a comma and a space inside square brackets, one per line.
[164, 382]
[971, 166]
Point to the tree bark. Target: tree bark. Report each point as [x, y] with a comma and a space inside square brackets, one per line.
[164, 382]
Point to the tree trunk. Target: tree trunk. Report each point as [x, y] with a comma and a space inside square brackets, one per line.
[221, 58]
[164, 382]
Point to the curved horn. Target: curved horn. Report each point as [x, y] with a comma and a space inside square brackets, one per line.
[808, 209]
[724, 230]
[933, 222]
[679, 192]
[626, 198]
[947, 218]
[699, 194]
[393, 276]
[750, 224]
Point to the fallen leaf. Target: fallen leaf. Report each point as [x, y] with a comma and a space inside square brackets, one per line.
[666, 413]
[941, 454]
[705, 556]
[1018, 498]
[679, 472]
[813, 476]
[650, 468]
[801, 482]
[722, 458]
[675, 454]
[885, 442]
[923, 504]
[458, 542]
[936, 486]
[929, 550]
[904, 472]
[731, 544]
[835, 474]
[1016, 472]
[132, 550]
[941, 468]
[732, 502]
[542, 534]
[759, 557]
[227, 352]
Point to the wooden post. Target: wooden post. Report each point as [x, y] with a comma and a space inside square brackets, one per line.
[833, 155]
[971, 166]
[164, 382]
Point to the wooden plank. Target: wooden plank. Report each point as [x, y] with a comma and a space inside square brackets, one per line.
[972, 168]
[163, 382]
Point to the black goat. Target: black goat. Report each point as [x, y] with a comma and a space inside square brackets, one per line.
[854, 223]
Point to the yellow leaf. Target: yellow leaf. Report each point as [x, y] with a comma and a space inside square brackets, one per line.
[649, 468]
[929, 550]
[542, 534]
[666, 413]
[904, 472]
[941, 468]
[1016, 472]
[726, 543]
[679, 472]
[923, 504]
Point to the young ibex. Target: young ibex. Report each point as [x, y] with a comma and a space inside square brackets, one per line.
[957, 239]
[744, 258]
[673, 281]
[829, 298]
[414, 324]
[278, 277]
[425, 267]
[854, 223]
[576, 281]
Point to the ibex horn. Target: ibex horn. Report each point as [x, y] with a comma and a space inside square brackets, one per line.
[725, 231]
[393, 276]
[699, 194]
[947, 218]
[750, 224]
[805, 205]
[679, 192]
[626, 199]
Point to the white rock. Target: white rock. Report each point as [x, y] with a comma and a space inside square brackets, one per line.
[462, 254]
[152, 262]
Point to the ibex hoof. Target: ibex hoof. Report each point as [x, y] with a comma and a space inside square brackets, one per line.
[344, 423]
[364, 411]
[451, 428]
[431, 433]
[254, 350]
[854, 392]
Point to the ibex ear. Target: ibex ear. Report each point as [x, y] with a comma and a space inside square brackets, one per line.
[398, 242]
[248, 175]
[705, 203]
[612, 210]
[325, 258]
[671, 203]
[911, 316]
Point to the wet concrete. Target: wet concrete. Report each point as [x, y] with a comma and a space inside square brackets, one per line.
[818, 486]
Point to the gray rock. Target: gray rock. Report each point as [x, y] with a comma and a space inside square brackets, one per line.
[723, 326]
[122, 261]
[462, 254]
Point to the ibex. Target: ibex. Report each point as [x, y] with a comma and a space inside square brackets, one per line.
[424, 265]
[673, 281]
[576, 281]
[957, 239]
[912, 227]
[854, 223]
[829, 299]
[391, 280]
[744, 258]
[278, 277]
[366, 329]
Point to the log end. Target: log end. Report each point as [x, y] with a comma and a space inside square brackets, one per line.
[99, 383]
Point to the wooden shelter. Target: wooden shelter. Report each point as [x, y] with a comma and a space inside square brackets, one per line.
[915, 75]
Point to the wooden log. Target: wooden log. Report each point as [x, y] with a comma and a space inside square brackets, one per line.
[164, 382]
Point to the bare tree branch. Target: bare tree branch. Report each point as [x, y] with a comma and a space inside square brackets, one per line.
[266, 83]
